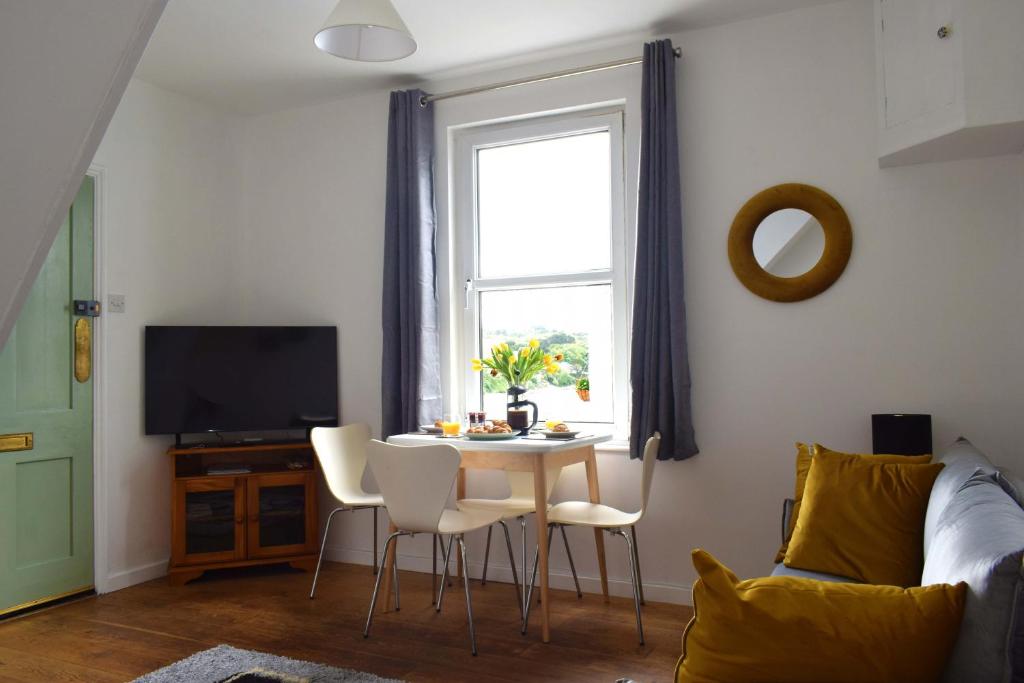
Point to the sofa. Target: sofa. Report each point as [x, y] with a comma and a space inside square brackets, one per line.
[973, 532]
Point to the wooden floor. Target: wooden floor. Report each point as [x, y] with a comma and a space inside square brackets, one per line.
[122, 635]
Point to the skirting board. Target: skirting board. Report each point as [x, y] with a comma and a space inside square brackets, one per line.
[657, 592]
[130, 577]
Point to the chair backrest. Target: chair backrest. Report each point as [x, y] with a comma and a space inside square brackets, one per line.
[342, 455]
[521, 483]
[415, 482]
[650, 457]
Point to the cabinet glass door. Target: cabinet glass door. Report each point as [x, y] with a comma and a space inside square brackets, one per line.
[209, 525]
[280, 514]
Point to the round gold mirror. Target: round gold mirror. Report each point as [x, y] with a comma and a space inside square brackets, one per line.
[790, 242]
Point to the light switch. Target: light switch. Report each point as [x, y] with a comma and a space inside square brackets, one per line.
[115, 303]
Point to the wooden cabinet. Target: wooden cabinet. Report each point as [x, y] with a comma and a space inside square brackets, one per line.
[237, 506]
[950, 77]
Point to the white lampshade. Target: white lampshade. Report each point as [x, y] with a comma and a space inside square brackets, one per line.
[366, 31]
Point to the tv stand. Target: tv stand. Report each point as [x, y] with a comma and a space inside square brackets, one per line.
[242, 505]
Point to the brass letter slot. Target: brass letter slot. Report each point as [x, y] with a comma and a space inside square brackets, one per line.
[15, 442]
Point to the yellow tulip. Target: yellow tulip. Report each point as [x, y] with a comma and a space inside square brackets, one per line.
[504, 346]
[547, 360]
[552, 369]
[524, 352]
[510, 359]
[534, 343]
[495, 350]
[476, 364]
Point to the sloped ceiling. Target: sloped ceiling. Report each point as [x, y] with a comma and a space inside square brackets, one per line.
[64, 65]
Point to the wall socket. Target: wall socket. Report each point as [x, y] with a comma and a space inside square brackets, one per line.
[115, 303]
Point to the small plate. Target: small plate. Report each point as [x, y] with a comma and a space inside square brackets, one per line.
[558, 435]
[430, 429]
[491, 437]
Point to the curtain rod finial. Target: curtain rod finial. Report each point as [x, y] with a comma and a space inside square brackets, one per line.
[678, 52]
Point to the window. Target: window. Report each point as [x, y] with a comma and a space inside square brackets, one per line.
[540, 241]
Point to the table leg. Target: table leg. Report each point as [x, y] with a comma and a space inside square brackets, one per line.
[595, 497]
[460, 493]
[540, 489]
[386, 568]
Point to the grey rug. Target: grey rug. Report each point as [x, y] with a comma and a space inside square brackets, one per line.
[222, 663]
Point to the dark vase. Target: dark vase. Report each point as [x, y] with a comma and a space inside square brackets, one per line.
[517, 414]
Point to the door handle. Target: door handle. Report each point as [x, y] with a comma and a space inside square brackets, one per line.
[83, 350]
[16, 442]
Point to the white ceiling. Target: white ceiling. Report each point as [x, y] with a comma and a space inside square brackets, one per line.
[255, 56]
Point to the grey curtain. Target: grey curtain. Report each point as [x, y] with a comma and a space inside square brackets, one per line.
[410, 370]
[659, 369]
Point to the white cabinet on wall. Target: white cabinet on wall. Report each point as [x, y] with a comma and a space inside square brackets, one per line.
[950, 79]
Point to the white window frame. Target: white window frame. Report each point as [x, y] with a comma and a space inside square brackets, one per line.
[465, 320]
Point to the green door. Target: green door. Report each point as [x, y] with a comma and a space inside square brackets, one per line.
[46, 499]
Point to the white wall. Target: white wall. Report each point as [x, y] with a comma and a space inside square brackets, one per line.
[925, 319]
[63, 67]
[167, 190]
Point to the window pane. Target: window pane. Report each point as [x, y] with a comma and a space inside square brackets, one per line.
[545, 206]
[574, 321]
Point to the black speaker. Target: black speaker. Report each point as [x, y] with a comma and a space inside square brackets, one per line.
[901, 434]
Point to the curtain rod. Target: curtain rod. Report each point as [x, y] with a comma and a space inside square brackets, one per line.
[538, 79]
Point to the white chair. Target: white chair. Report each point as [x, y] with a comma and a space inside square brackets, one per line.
[342, 455]
[416, 482]
[520, 503]
[612, 520]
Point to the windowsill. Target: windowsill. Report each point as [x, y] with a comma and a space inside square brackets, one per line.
[617, 446]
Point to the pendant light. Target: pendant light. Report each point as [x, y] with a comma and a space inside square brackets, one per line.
[366, 31]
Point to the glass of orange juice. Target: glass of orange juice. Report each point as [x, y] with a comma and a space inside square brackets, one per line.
[451, 425]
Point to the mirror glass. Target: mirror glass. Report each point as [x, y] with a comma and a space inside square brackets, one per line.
[789, 242]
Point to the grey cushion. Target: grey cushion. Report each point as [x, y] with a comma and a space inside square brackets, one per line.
[783, 570]
[960, 460]
[979, 538]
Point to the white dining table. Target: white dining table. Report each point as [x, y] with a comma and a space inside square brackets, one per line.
[534, 453]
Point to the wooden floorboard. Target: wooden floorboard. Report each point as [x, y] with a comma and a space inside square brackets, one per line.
[120, 636]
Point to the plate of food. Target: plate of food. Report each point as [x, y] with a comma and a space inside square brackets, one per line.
[558, 430]
[490, 436]
[432, 429]
[495, 430]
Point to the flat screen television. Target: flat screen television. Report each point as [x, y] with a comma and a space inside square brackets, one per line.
[240, 379]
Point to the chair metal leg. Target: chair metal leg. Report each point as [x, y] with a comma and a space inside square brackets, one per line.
[433, 569]
[375, 540]
[572, 565]
[446, 555]
[633, 575]
[376, 584]
[512, 563]
[487, 556]
[394, 578]
[323, 544]
[469, 600]
[528, 601]
[522, 525]
[636, 558]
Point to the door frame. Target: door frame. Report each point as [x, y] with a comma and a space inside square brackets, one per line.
[100, 578]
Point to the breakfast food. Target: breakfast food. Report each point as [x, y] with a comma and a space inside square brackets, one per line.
[438, 423]
[492, 427]
[560, 427]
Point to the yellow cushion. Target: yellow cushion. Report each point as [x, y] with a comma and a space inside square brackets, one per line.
[804, 454]
[783, 629]
[863, 519]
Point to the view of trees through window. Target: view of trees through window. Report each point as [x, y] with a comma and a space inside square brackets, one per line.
[575, 321]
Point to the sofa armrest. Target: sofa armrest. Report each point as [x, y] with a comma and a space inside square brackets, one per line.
[787, 513]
